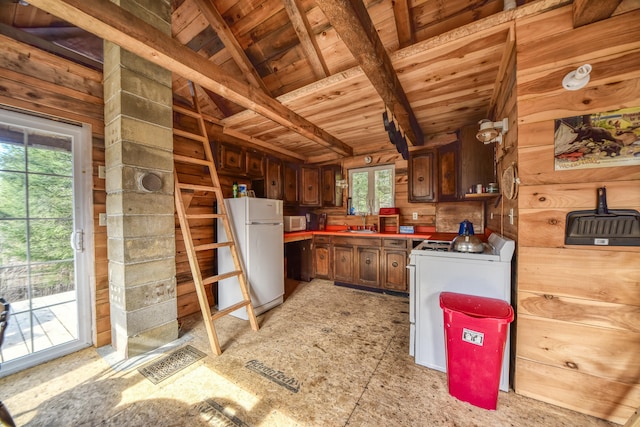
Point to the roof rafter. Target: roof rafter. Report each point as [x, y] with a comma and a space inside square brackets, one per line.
[112, 23]
[589, 11]
[307, 38]
[353, 23]
[212, 15]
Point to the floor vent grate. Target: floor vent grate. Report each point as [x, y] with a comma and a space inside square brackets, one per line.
[179, 359]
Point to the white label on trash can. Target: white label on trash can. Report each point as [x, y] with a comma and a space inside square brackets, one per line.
[472, 337]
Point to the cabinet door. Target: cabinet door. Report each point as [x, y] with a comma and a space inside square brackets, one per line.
[290, 195]
[331, 194]
[422, 186]
[368, 267]
[254, 163]
[321, 264]
[309, 186]
[231, 159]
[273, 179]
[477, 160]
[343, 264]
[448, 170]
[395, 270]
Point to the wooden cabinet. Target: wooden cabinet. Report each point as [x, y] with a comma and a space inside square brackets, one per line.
[448, 172]
[368, 266]
[394, 264]
[273, 178]
[370, 262]
[422, 176]
[232, 159]
[343, 264]
[321, 257]
[254, 161]
[331, 194]
[309, 186]
[291, 172]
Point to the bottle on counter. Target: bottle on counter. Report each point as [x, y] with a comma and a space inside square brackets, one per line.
[235, 189]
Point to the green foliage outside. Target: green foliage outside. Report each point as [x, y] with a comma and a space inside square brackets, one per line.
[371, 190]
[35, 226]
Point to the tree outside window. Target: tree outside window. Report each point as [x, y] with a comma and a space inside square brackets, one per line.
[371, 188]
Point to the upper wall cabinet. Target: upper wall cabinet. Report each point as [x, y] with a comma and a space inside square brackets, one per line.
[254, 161]
[422, 176]
[309, 186]
[331, 193]
[273, 178]
[448, 181]
[232, 159]
[291, 172]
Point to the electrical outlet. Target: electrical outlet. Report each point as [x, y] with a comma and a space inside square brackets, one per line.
[415, 215]
[102, 219]
[102, 173]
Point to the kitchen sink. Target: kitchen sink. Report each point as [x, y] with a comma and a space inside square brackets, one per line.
[359, 231]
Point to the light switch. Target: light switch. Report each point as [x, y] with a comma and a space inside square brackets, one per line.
[102, 219]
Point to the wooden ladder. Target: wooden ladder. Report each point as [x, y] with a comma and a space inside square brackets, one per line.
[198, 159]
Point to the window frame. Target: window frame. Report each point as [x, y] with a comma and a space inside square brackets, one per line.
[371, 170]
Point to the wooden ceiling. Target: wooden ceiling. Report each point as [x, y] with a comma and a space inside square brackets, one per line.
[309, 79]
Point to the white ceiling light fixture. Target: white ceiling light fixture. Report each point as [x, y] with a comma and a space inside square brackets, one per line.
[492, 131]
[578, 78]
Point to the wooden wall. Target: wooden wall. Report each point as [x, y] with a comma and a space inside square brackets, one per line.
[578, 333]
[33, 81]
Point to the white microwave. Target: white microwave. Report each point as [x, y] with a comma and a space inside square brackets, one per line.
[295, 223]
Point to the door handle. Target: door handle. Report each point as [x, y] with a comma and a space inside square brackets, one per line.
[77, 240]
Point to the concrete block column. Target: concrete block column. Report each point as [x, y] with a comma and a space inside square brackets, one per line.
[139, 184]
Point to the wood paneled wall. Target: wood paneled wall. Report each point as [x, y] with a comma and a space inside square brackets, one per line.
[578, 307]
[37, 82]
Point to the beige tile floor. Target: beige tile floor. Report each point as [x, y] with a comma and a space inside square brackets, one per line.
[343, 354]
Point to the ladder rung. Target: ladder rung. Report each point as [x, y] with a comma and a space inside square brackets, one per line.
[190, 135]
[191, 160]
[197, 187]
[214, 279]
[209, 246]
[230, 309]
[186, 111]
[205, 216]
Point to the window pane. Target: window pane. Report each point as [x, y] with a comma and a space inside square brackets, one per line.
[384, 189]
[12, 195]
[359, 191]
[49, 240]
[50, 154]
[13, 242]
[50, 196]
[11, 148]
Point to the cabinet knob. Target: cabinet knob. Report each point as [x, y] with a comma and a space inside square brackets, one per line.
[343, 259]
[367, 261]
[321, 256]
[310, 188]
[421, 178]
[394, 263]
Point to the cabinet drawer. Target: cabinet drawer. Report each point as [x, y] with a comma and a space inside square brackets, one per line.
[365, 241]
[321, 239]
[342, 241]
[395, 243]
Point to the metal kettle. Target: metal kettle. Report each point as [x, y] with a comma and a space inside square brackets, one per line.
[466, 241]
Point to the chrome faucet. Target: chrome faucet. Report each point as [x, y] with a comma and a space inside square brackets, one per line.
[364, 220]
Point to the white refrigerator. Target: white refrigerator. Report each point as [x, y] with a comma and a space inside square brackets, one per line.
[257, 225]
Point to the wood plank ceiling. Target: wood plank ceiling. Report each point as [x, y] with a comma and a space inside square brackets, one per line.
[309, 79]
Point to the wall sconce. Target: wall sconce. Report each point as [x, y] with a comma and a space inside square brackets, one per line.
[578, 78]
[492, 131]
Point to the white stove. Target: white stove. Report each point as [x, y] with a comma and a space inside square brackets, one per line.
[434, 268]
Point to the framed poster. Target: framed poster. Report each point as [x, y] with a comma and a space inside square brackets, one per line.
[598, 140]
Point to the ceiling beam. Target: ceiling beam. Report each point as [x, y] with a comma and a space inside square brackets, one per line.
[404, 23]
[307, 39]
[588, 11]
[213, 17]
[353, 23]
[110, 22]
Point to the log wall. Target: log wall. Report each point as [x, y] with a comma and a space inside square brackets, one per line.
[578, 307]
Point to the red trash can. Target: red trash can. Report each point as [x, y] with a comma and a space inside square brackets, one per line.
[475, 330]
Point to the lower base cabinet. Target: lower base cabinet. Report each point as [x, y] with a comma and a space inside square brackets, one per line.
[372, 262]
